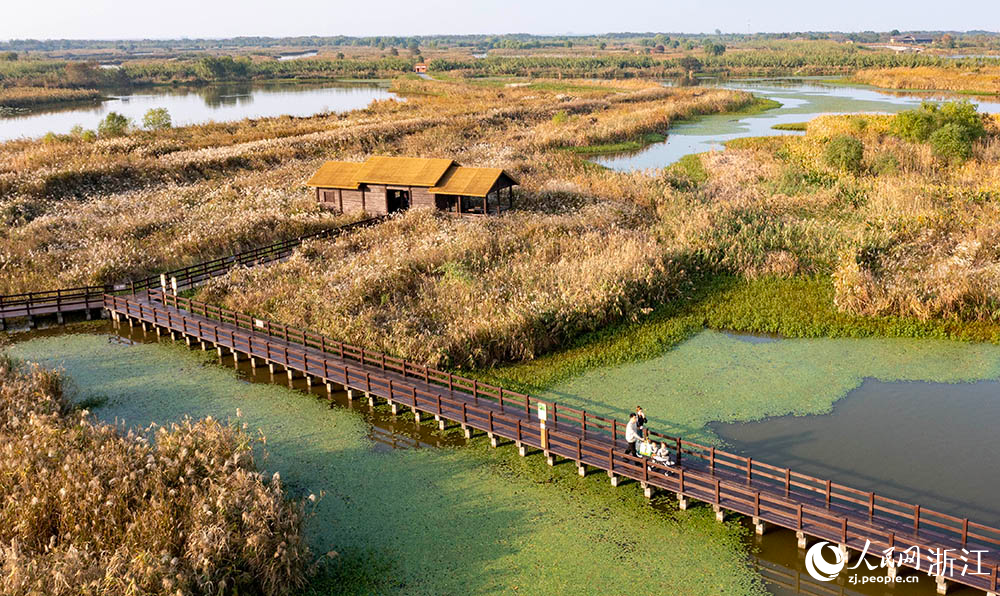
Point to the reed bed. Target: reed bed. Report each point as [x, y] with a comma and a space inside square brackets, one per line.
[76, 212]
[28, 97]
[981, 79]
[88, 508]
[464, 293]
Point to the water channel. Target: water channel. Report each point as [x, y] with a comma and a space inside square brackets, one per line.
[801, 100]
[199, 104]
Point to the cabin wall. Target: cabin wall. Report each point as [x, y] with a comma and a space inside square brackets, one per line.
[420, 197]
[351, 201]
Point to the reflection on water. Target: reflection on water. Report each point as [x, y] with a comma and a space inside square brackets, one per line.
[194, 105]
[801, 100]
[309, 54]
[920, 442]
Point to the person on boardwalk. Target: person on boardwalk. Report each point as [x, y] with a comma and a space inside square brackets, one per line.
[631, 435]
[640, 421]
[662, 455]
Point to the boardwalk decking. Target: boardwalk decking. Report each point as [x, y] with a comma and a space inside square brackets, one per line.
[730, 483]
[89, 298]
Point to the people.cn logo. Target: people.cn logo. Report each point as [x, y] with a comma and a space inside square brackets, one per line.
[818, 567]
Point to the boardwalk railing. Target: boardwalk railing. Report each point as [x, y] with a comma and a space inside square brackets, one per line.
[82, 298]
[780, 496]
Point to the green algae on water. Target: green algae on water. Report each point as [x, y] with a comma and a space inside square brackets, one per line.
[431, 521]
[715, 377]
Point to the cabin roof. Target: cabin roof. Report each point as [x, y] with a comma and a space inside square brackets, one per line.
[404, 171]
[470, 182]
[336, 174]
[441, 176]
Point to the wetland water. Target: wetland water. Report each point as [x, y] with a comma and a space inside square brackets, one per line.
[195, 105]
[482, 531]
[446, 517]
[801, 100]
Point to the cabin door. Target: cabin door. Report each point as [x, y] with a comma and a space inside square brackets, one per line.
[397, 200]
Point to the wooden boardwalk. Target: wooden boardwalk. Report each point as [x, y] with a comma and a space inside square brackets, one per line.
[770, 495]
[90, 298]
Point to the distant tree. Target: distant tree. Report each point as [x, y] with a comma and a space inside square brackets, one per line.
[340, 55]
[156, 119]
[222, 68]
[718, 31]
[603, 45]
[713, 49]
[394, 51]
[675, 43]
[113, 125]
[646, 43]
[569, 43]
[414, 47]
[82, 74]
[8, 56]
[947, 40]
[690, 64]
[661, 39]
[894, 32]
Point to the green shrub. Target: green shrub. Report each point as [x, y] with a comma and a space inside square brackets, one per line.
[113, 125]
[885, 163]
[845, 153]
[156, 119]
[918, 125]
[560, 117]
[951, 143]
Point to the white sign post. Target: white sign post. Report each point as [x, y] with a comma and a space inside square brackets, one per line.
[542, 416]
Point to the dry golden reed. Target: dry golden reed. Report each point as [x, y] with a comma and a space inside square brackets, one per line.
[87, 508]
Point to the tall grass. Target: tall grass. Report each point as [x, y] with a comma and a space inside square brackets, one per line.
[985, 79]
[27, 97]
[86, 508]
[455, 292]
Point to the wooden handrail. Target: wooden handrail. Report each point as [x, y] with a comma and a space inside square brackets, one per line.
[847, 517]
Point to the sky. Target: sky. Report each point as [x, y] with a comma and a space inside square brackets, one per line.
[136, 19]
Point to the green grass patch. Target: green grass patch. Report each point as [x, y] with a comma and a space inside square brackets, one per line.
[622, 147]
[799, 126]
[690, 166]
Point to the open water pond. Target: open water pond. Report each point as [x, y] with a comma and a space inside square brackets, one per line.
[913, 420]
[801, 100]
[196, 105]
[485, 529]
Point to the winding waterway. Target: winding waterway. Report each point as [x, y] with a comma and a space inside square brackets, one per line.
[132, 373]
[196, 105]
[801, 100]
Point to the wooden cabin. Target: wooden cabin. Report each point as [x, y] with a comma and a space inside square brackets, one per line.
[385, 185]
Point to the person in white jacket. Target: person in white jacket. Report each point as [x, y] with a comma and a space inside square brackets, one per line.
[631, 435]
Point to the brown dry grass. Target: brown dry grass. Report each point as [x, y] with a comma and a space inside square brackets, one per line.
[26, 97]
[979, 80]
[460, 292]
[88, 509]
